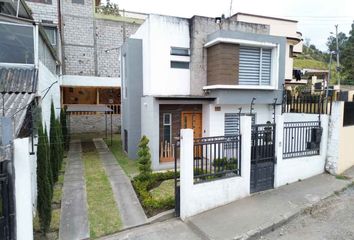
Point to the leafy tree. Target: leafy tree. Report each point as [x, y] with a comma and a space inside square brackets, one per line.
[44, 207]
[347, 56]
[144, 159]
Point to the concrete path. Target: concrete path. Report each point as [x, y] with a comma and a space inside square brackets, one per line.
[247, 218]
[172, 229]
[131, 212]
[74, 220]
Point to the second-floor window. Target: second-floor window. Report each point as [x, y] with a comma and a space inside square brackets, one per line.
[255, 66]
[52, 35]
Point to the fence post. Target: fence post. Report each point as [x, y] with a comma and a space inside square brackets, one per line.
[246, 123]
[186, 170]
[279, 133]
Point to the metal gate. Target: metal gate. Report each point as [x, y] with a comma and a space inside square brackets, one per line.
[6, 204]
[262, 157]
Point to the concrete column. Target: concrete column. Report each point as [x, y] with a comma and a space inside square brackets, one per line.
[186, 169]
[246, 123]
[23, 190]
[279, 132]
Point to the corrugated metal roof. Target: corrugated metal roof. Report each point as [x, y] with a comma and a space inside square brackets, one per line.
[18, 79]
[15, 105]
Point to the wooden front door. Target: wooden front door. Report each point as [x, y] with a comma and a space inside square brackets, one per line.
[193, 120]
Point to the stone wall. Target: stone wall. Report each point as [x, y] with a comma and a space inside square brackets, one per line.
[201, 27]
[94, 123]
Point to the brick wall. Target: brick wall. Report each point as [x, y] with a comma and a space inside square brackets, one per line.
[94, 123]
[44, 11]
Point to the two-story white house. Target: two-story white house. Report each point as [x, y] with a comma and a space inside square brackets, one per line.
[197, 73]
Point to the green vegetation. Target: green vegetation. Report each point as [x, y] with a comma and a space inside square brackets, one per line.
[102, 210]
[44, 207]
[156, 193]
[144, 158]
[129, 166]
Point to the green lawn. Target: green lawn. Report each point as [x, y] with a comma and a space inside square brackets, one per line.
[129, 166]
[165, 190]
[103, 213]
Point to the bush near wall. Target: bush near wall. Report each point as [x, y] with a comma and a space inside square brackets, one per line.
[143, 187]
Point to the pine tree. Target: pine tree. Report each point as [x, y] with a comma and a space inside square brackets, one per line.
[64, 128]
[60, 145]
[53, 144]
[49, 169]
[144, 158]
[44, 206]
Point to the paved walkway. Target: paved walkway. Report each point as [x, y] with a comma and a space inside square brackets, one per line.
[132, 214]
[246, 218]
[74, 220]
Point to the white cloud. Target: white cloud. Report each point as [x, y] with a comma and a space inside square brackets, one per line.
[316, 17]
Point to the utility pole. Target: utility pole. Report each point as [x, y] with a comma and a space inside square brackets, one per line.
[337, 49]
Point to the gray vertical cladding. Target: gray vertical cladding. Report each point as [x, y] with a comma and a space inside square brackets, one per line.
[133, 81]
[200, 28]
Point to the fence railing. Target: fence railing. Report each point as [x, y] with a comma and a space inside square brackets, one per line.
[307, 104]
[216, 157]
[115, 107]
[301, 139]
[348, 117]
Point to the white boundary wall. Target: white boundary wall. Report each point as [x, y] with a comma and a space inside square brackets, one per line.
[196, 198]
[293, 169]
[24, 186]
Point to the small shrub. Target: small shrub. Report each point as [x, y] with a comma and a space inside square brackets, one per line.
[225, 164]
[144, 158]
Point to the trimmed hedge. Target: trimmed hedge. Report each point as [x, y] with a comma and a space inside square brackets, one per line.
[143, 185]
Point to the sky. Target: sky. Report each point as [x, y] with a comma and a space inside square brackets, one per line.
[316, 18]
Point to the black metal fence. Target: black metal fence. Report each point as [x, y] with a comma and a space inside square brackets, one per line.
[217, 157]
[301, 139]
[307, 104]
[348, 117]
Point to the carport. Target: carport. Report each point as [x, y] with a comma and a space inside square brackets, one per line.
[88, 108]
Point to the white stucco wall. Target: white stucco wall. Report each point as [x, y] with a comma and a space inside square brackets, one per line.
[340, 154]
[160, 33]
[23, 189]
[293, 169]
[196, 198]
[45, 80]
[89, 81]
[214, 121]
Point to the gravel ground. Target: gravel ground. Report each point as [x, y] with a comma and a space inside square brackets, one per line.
[332, 219]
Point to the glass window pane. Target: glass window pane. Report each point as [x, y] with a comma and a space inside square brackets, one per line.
[51, 34]
[179, 51]
[16, 43]
[167, 134]
[166, 119]
[182, 65]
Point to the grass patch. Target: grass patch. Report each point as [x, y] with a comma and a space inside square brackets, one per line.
[155, 193]
[103, 214]
[165, 190]
[129, 166]
[342, 177]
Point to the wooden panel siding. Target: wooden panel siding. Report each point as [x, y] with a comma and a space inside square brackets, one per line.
[176, 111]
[223, 64]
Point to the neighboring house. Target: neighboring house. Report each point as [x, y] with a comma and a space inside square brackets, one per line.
[28, 85]
[89, 38]
[197, 73]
